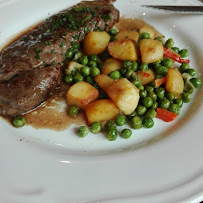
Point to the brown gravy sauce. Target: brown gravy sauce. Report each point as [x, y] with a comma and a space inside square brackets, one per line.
[52, 114]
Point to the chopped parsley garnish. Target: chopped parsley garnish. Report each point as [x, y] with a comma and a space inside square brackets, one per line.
[86, 18]
[38, 52]
[62, 44]
[52, 51]
[48, 43]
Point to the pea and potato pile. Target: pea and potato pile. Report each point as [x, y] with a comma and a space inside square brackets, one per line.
[130, 76]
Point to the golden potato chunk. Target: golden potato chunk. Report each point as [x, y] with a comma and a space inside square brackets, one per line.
[174, 83]
[151, 50]
[101, 110]
[147, 29]
[124, 50]
[127, 34]
[145, 76]
[110, 65]
[124, 94]
[95, 42]
[72, 65]
[81, 94]
[103, 81]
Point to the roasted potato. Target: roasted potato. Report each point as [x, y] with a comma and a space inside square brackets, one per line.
[147, 29]
[124, 94]
[174, 83]
[145, 76]
[110, 65]
[101, 110]
[127, 34]
[151, 50]
[124, 50]
[72, 65]
[103, 81]
[81, 94]
[95, 42]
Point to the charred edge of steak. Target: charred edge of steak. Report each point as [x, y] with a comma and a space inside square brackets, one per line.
[24, 63]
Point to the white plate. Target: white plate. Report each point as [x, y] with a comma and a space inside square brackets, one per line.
[163, 164]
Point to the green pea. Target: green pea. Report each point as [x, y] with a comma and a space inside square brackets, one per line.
[159, 76]
[130, 116]
[145, 35]
[147, 102]
[126, 133]
[19, 121]
[188, 87]
[167, 62]
[149, 88]
[179, 102]
[148, 122]
[123, 71]
[73, 111]
[129, 74]
[161, 70]
[120, 120]
[78, 77]
[141, 110]
[191, 72]
[83, 60]
[169, 43]
[82, 131]
[90, 80]
[176, 49]
[136, 122]
[93, 57]
[155, 66]
[94, 71]
[184, 53]
[164, 104]
[159, 39]
[96, 127]
[85, 71]
[184, 67]
[170, 96]
[115, 75]
[150, 113]
[174, 108]
[140, 87]
[186, 97]
[160, 92]
[143, 66]
[152, 95]
[92, 64]
[75, 45]
[196, 82]
[155, 105]
[127, 64]
[69, 54]
[134, 66]
[110, 125]
[143, 93]
[135, 82]
[112, 134]
[68, 79]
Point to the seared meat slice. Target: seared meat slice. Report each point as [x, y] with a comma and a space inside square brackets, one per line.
[28, 90]
[45, 45]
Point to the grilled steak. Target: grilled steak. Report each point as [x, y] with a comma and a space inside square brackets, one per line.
[29, 68]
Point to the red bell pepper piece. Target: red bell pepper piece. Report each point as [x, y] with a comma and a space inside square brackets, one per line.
[146, 75]
[160, 81]
[165, 115]
[174, 56]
